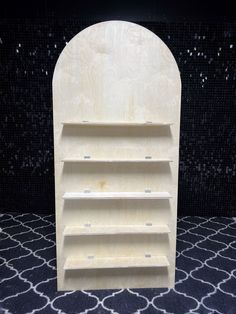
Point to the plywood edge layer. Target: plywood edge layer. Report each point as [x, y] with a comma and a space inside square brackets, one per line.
[114, 123]
[116, 195]
[73, 263]
[122, 229]
[86, 159]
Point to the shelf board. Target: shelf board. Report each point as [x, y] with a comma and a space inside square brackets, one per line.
[110, 230]
[116, 195]
[73, 263]
[85, 160]
[115, 123]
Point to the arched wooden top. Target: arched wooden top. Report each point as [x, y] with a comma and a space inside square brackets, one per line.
[116, 71]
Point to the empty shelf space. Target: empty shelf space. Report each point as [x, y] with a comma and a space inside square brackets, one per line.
[116, 195]
[117, 262]
[89, 159]
[115, 123]
[109, 230]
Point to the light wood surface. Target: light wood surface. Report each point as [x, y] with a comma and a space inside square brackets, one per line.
[116, 112]
[115, 123]
[125, 229]
[89, 159]
[122, 262]
[117, 195]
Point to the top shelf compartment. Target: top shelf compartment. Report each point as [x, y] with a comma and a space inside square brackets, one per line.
[116, 123]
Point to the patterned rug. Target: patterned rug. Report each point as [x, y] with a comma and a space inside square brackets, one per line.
[205, 272]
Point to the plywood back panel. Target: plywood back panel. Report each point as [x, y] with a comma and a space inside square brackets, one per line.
[116, 109]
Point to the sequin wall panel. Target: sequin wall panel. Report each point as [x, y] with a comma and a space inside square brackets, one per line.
[205, 54]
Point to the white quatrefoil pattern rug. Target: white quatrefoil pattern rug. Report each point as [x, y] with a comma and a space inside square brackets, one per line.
[205, 272]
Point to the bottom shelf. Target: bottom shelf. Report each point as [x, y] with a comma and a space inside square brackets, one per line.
[110, 230]
[115, 262]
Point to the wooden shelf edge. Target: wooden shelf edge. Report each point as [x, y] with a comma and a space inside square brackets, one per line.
[115, 262]
[115, 230]
[116, 195]
[115, 123]
[90, 160]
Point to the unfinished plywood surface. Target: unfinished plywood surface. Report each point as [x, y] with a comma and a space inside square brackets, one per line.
[116, 195]
[122, 262]
[88, 229]
[116, 107]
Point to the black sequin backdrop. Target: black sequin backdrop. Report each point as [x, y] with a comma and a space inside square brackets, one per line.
[205, 53]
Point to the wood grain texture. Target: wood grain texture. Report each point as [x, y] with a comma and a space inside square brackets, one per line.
[122, 262]
[116, 195]
[147, 159]
[116, 107]
[122, 229]
[115, 123]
